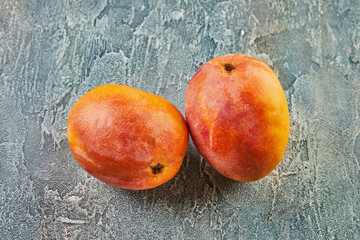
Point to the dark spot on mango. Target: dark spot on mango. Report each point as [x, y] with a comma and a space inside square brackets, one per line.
[157, 169]
[229, 67]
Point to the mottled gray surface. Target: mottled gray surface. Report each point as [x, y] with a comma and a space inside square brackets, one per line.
[52, 52]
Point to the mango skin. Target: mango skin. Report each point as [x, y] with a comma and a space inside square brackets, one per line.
[126, 137]
[238, 116]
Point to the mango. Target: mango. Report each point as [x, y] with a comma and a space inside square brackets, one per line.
[126, 137]
[238, 116]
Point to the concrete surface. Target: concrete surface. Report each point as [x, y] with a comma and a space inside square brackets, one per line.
[52, 52]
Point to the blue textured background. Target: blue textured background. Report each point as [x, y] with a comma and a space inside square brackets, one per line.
[52, 52]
